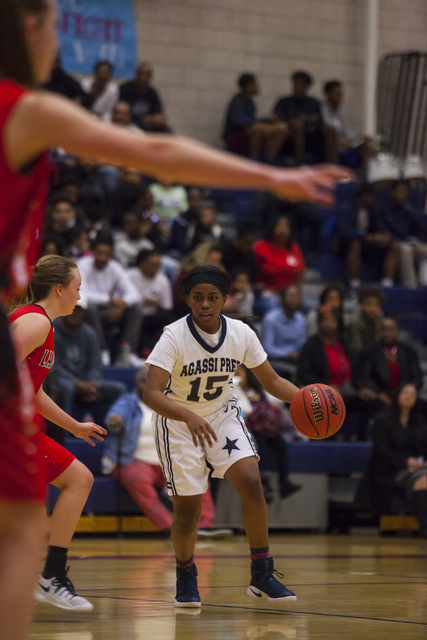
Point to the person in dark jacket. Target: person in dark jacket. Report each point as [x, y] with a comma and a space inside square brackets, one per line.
[399, 455]
[385, 366]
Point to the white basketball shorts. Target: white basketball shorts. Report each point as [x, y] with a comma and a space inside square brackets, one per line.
[184, 465]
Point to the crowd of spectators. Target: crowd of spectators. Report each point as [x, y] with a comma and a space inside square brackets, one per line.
[135, 239]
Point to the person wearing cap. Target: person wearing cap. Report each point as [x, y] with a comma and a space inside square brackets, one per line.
[77, 382]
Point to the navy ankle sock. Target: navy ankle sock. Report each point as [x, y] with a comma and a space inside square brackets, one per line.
[185, 565]
[259, 554]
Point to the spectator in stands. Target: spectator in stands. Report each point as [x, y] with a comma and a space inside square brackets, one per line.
[386, 365]
[207, 227]
[144, 100]
[306, 218]
[101, 93]
[53, 245]
[399, 454]
[244, 133]
[64, 84]
[279, 262]
[135, 228]
[127, 192]
[324, 358]
[240, 302]
[138, 468]
[184, 225]
[283, 329]
[332, 297]
[155, 291]
[62, 217]
[113, 299]
[122, 116]
[93, 194]
[342, 145]
[303, 116]
[169, 200]
[238, 254]
[362, 235]
[264, 418]
[364, 325]
[77, 383]
[78, 243]
[408, 228]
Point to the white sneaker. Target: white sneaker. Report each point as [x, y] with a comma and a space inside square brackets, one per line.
[214, 533]
[60, 593]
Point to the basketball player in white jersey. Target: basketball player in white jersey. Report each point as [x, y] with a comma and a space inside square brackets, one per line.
[197, 419]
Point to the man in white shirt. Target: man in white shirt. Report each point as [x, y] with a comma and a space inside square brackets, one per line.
[102, 94]
[113, 299]
[155, 291]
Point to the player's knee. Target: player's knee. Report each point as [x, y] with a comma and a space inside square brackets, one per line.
[252, 488]
[84, 479]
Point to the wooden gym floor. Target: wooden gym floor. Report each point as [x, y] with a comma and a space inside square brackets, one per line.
[348, 588]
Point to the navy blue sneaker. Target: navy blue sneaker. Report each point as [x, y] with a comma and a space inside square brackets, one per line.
[263, 582]
[187, 593]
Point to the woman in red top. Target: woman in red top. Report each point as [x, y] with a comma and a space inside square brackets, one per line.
[30, 123]
[279, 261]
[54, 292]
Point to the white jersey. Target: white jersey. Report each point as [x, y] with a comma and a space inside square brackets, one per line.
[201, 374]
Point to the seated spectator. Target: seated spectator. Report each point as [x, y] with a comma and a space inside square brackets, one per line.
[113, 299]
[244, 133]
[184, 225]
[332, 297]
[240, 301]
[283, 329]
[238, 254]
[93, 195]
[78, 243]
[207, 228]
[264, 418]
[324, 358]
[408, 228]
[398, 459]
[362, 235]
[127, 192]
[138, 470]
[64, 84]
[279, 262]
[342, 145]
[305, 216]
[169, 200]
[101, 93]
[52, 245]
[155, 291]
[135, 228]
[61, 218]
[77, 383]
[387, 365]
[122, 116]
[145, 102]
[364, 325]
[303, 116]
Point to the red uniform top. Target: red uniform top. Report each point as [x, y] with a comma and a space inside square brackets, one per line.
[278, 267]
[23, 199]
[39, 361]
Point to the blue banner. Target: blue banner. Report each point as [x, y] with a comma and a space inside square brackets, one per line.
[93, 30]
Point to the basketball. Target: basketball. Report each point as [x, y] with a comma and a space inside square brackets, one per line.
[317, 411]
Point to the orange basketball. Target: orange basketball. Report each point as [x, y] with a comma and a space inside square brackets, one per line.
[317, 411]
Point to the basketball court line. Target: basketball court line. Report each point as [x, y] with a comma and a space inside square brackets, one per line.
[202, 555]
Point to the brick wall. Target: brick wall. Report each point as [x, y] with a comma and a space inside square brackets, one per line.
[199, 47]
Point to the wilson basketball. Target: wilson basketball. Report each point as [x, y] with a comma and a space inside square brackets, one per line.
[317, 411]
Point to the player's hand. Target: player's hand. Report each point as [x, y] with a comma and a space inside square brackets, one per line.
[313, 184]
[201, 431]
[88, 430]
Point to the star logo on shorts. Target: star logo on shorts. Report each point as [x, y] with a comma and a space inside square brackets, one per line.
[231, 444]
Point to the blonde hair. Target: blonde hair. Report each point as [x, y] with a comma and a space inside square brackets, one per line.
[48, 272]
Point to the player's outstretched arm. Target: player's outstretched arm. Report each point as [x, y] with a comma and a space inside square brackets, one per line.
[50, 410]
[42, 120]
[154, 397]
[273, 383]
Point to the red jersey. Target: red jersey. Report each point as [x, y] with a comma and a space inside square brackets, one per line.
[23, 199]
[39, 361]
[278, 267]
